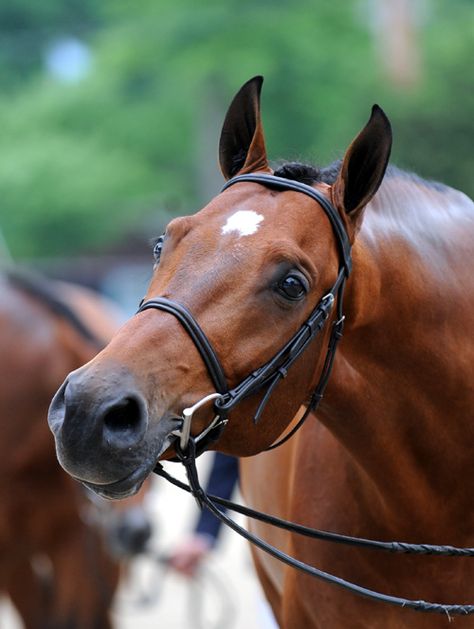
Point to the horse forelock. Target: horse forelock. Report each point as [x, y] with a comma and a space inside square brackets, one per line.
[308, 173]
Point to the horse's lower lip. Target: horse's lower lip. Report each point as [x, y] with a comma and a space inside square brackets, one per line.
[123, 488]
[131, 483]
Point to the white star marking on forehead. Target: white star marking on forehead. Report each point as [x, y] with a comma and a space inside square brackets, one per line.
[245, 222]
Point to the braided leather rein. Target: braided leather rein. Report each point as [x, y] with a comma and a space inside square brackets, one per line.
[268, 376]
[212, 503]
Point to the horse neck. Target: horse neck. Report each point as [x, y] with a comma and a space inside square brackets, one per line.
[400, 396]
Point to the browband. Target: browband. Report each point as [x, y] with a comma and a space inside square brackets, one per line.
[297, 186]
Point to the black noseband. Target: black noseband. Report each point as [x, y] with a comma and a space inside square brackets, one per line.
[198, 337]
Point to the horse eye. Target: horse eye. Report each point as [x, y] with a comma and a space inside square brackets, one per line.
[293, 286]
[157, 249]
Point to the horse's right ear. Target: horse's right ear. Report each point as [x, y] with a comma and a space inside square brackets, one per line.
[363, 167]
[242, 144]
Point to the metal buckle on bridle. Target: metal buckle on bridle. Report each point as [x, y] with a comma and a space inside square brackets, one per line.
[187, 415]
[327, 302]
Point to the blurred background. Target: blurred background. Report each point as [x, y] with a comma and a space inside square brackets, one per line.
[111, 111]
[110, 114]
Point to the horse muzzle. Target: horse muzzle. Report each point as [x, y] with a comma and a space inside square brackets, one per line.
[99, 424]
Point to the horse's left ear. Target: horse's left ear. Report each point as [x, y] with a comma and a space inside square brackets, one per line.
[242, 144]
[363, 166]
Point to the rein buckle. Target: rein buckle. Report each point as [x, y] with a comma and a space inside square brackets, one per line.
[187, 416]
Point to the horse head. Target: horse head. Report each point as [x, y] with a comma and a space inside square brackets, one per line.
[249, 268]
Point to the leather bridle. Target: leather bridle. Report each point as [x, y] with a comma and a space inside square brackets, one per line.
[265, 378]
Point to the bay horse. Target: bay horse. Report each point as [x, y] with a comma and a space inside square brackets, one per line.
[388, 453]
[54, 565]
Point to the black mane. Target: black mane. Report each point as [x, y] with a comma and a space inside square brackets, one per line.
[309, 174]
[44, 291]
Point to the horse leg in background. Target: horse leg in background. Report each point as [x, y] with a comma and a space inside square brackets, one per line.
[30, 593]
[81, 588]
[84, 580]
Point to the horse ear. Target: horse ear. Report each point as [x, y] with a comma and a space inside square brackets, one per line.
[242, 144]
[363, 166]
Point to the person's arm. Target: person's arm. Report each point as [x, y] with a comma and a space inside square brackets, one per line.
[187, 556]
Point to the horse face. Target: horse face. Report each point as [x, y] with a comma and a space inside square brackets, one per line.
[250, 271]
[250, 267]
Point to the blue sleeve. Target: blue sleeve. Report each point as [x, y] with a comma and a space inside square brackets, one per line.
[222, 481]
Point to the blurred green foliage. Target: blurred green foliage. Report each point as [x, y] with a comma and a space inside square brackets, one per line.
[135, 141]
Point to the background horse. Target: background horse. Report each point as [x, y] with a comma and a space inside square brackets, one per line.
[53, 562]
[390, 453]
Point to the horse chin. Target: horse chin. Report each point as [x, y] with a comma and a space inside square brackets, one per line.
[124, 488]
[130, 484]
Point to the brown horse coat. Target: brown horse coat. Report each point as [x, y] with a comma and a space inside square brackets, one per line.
[390, 453]
[53, 565]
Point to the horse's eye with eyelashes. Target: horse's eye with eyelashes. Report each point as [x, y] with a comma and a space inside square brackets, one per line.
[293, 286]
[157, 249]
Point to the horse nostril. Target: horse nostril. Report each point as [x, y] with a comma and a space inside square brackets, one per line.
[124, 419]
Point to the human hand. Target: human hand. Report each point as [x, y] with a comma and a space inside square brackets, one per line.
[188, 555]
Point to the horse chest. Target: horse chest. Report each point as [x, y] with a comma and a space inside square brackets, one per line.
[265, 485]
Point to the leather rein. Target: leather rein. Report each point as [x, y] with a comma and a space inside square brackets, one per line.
[265, 378]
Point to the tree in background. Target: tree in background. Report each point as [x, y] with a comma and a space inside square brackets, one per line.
[134, 142]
